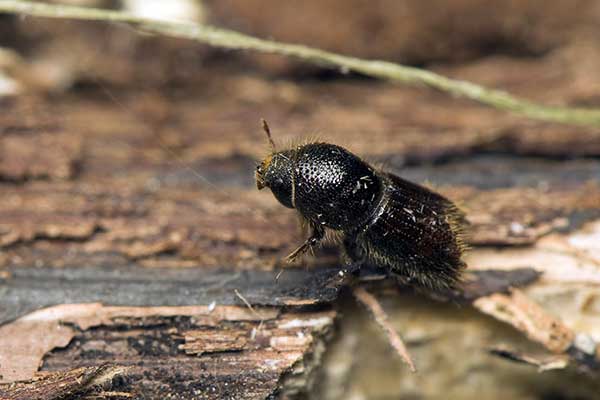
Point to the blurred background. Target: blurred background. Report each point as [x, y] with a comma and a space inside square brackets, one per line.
[121, 149]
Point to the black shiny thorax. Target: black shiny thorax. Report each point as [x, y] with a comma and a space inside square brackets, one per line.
[327, 184]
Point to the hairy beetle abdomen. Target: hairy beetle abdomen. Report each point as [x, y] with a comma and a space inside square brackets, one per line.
[414, 233]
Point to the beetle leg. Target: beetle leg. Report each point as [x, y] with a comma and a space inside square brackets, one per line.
[315, 238]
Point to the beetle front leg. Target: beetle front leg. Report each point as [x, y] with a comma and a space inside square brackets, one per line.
[318, 233]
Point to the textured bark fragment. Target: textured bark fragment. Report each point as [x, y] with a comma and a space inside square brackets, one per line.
[480, 283]
[211, 341]
[24, 342]
[528, 317]
[65, 384]
[570, 274]
[164, 349]
[26, 114]
[564, 261]
[129, 285]
[208, 330]
[519, 216]
[201, 225]
[17, 229]
[39, 156]
[539, 326]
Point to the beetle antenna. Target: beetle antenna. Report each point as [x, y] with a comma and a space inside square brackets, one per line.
[267, 130]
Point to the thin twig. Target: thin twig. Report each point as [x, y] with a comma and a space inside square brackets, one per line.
[246, 302]
[381, 318]
[380, 69]
[279, 274]
[256, 314]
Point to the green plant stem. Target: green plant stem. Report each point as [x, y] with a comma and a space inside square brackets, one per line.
[379, 69]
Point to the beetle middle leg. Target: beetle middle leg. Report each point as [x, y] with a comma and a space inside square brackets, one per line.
[318, 233]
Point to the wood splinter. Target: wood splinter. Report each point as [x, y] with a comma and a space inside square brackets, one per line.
[253, 311]
[381, 317]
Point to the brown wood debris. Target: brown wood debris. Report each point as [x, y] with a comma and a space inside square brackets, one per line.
[33, 144]
[520, 216]
[201, 341]
[39, 156]
[528, 317]
[218, 351]
[539, 326]
[25, 341]
[65, 384]
[130, 285]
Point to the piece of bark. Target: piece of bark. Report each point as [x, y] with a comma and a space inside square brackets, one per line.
[539, 326]
[64, 384]
[138, 286]
[528, 317]
[563, 259]
[475, 283]
[480, 283]
[163, 356]
[520, 216]
[200, 341]
[176, 288]
[27, 340]
[39, 156]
